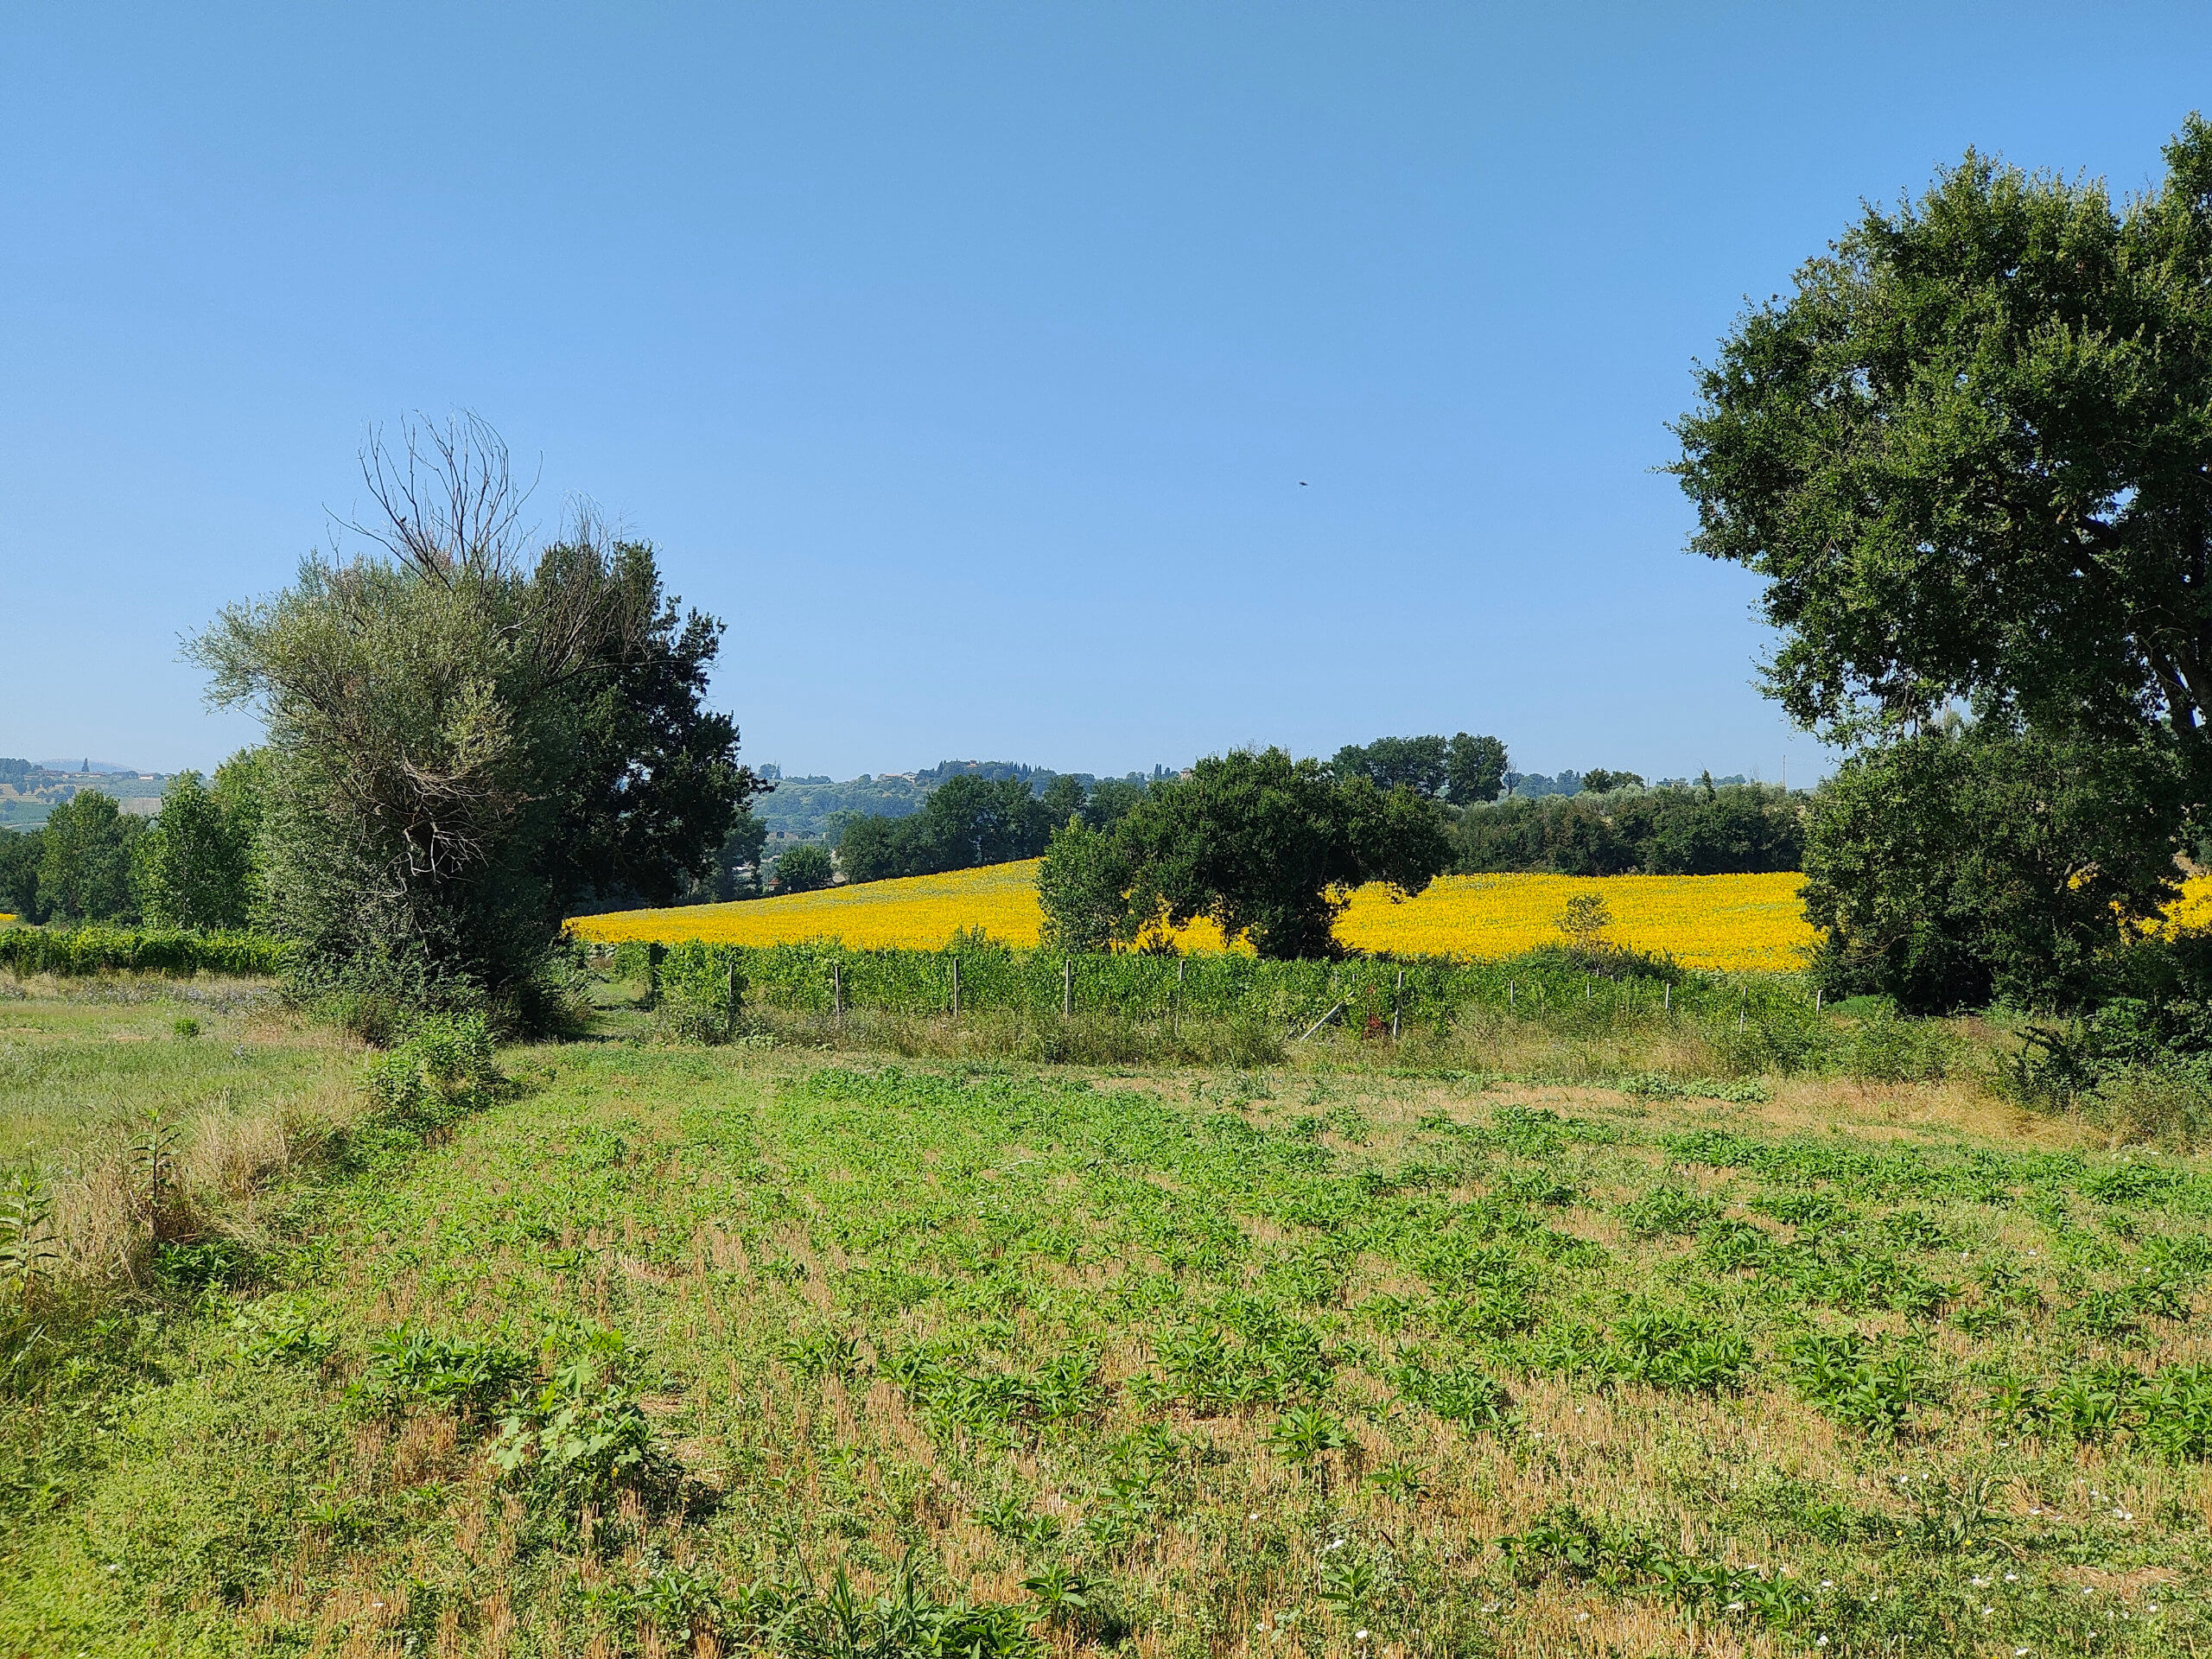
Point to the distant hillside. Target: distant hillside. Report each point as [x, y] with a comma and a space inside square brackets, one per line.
[807, 809]
[31, 790]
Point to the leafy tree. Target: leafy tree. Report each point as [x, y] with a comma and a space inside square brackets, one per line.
[194, 867]
[803, 868]
[1062, 799]
[1420, 764]
[20, 852]
[875, 847]
[967, 821]
[1111, 800]
[1083, 886]
[466, 739]
[743, 848]
[1267, 846]
[1598, 781]
[1978, 860]
[1968, 454]
[1478, 768]
[1586, 921]
[1468, 769]
[1741, 828]
[83, 872]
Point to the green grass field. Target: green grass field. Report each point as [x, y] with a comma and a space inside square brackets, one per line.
[659, 1351]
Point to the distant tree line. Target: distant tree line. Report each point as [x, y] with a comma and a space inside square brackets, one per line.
[1701, 830]
[968, 820]
[191, 865]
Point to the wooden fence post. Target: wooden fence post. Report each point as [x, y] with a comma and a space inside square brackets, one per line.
[1397, 998]
[956, 987]
[729, 1016]
[1067, 987]
[1175, 999]
[837, 988]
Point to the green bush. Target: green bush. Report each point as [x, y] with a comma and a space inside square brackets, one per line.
[78, 952]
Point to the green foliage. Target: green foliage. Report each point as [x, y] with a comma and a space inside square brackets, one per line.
[965, 821]
[85, 848]
[20, 854]
[1466, 769]
[1855, 1382]
[410, 1366]
[1966, 453]
[579, 1440]
[1710, 830]
[1977, 861]
[803, 868]
[194, 867]
[701, 991]
[28, 1248]
[1267, 847]
[467, 740]
[115, 950]
[438, 1067]
[1083, 887]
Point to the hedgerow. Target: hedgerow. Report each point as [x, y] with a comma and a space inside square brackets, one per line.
[84, 950]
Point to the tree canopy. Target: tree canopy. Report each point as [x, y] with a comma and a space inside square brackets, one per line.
[966, 821]
[1969, 453]
[465, 738]
[194, 865]
[1978, 860]
[1267, 846]
[83, 872]
[1466, 769]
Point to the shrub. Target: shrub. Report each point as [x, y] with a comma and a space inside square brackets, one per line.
[76, 952]
[702, 992]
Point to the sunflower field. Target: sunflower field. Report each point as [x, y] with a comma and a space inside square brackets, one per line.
[1713, 922]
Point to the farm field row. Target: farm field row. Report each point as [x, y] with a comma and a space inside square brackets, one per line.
[1719, 922]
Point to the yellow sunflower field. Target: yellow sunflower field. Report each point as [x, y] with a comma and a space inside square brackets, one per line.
[1719, 922]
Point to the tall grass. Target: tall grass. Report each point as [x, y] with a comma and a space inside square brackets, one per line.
[1579, 1017]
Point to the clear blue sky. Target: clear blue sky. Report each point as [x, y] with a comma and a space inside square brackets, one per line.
[967, 358]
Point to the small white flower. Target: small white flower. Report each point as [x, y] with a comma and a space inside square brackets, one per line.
[1827, 1584]
[1582, 1618]
[2012, 1578]
[1735, 1606]
[1980, 1584]
[1359, 1636]
[1821, 1642]
[1252, 1516]
[1987, 1611]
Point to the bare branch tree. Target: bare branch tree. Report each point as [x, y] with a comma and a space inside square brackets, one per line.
[448, 497]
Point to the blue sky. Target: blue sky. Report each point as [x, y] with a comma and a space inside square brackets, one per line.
[968, 360]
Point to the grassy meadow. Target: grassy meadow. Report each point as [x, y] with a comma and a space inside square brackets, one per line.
[783, 1347]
